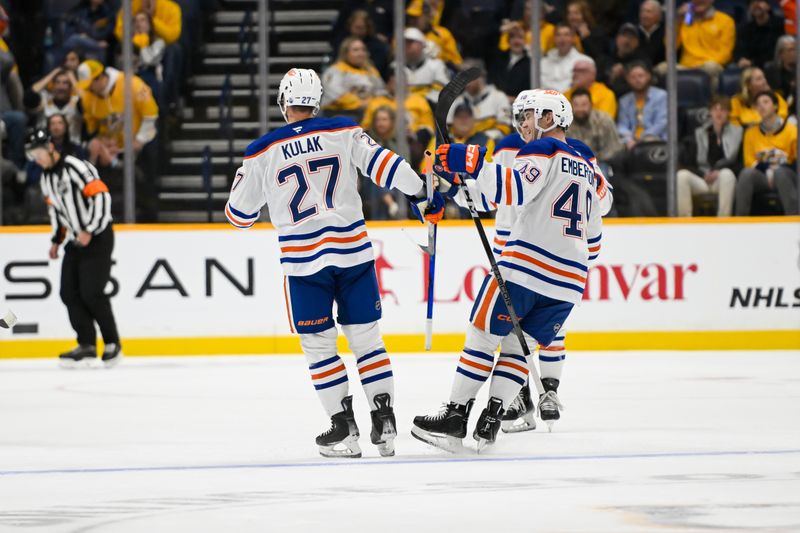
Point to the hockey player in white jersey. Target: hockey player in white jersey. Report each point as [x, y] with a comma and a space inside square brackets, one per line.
[307, 172]
[544, 262]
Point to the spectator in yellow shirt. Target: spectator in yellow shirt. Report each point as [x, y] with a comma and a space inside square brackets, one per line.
[743, 109]
[770, 151]
[103, 100]
[706, 37]
[352, 81]
[165, 14]
[547, 31]
[584, 76]
[420, 116]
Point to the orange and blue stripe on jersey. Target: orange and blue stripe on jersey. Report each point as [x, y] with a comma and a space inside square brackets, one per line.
[239, 219]
[545, 266]
[340, 240]
[508, 186]
[500, 239]
[475, 365]
[594, 247]
[383, 166]
[513, 367]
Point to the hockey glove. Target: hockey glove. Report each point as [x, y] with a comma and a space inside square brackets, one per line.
[466, 158]
[448, 182]
[432, 213]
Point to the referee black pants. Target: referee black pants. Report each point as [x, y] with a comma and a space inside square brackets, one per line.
[85, 272]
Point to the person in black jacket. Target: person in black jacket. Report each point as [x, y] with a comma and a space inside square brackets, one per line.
[511, 70]
[757, 37]
[80, 211]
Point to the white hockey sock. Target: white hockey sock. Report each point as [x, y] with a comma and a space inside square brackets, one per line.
[374, 365]
[474, 366]
[551, 358]
[328, 373]
[509, 375]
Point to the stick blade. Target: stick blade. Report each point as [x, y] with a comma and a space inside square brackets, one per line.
[448, 95]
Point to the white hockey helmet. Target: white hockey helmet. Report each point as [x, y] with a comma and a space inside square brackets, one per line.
[516, 108]
[542, 100]
[301, 87]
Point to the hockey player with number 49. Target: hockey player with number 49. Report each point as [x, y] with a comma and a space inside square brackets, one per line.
[307, 172]
[544, 262]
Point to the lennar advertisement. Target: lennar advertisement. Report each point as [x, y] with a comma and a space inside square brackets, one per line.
[656, 285]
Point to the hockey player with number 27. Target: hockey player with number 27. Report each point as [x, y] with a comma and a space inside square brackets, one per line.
[307, 173]
[544, 262]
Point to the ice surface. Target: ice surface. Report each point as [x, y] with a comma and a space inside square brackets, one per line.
[667, 442]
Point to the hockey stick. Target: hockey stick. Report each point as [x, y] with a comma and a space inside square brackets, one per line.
[431, 250]
[9, 320]
[446, 98]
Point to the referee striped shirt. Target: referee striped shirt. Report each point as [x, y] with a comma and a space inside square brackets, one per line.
[77, 199]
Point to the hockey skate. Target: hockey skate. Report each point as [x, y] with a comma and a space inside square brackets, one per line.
[521, 414]
[445, 429]
[112, 355]
[489, 423]
[384, 426]
[549, 404]
[341, 440]
[82, 356]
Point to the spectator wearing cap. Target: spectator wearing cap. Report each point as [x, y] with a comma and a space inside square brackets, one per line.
[780, 72]
[717, 161]
[643, 111]
[757, 36]
[706, 37]
[627, 48]
[770, 151]
[441, 38]
[594, 128]
[584, 76]
[490, 106]
[593, 38]
[58, 96]
[351, 81]
[103, 104]
[465, 128]
[510, 71]
[743, 109]
[558, 63]
[360, 25]
[424, 75]
[651, 31]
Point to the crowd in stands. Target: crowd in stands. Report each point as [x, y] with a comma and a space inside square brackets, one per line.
[736, 60]
[61, 69]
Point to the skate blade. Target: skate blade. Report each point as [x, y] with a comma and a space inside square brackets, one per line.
[83, 364]
[386, 448]
[482, 444]
[549, 425]
[443, 442]
[526, 423]
[349, 449]
[111, 363]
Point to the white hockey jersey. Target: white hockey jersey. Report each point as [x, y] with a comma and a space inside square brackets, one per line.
[307, 173]
[553, 188]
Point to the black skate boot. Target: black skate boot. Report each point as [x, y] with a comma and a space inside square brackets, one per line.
[82, 355]
[489, 423]
[521, 414]
[444, 429]
[112, 355]
[384, 426]
[549, 404]
[343, 431]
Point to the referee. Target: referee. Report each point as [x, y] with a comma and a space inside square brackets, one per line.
[80, 212]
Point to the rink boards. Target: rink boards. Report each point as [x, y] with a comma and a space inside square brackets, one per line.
[200, 289]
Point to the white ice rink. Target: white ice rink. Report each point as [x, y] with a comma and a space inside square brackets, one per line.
[665, 442]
